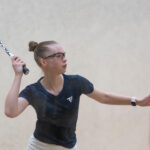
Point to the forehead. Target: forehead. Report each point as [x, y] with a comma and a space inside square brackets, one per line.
[55, 48]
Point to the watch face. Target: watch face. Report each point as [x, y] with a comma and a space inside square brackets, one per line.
[133, 103]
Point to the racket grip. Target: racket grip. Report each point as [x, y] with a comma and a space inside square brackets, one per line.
[25, 70]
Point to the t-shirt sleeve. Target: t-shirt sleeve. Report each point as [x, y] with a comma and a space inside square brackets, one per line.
[86, 86]
[26, 93]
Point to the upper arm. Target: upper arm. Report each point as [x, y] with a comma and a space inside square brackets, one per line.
[98, 95]
[84, 85]
[22, 104]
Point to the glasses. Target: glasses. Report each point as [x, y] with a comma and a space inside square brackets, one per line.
[57, 55]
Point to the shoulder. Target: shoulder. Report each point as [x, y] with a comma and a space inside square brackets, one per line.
[33, 86]
[30, 91]
[77, 79]
[72, 80]
[73, 77]
[81, 83]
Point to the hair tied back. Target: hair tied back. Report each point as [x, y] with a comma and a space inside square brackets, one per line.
[32, 46]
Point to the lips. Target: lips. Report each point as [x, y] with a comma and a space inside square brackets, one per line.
[64, 66]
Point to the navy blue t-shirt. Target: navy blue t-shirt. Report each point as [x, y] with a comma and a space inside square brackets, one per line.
[57, 115]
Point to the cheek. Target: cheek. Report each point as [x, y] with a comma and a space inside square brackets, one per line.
[55, 65]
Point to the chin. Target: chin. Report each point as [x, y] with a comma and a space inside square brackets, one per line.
[61, 72]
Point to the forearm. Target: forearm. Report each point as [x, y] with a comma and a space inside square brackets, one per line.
[11, 103]
[111, 99]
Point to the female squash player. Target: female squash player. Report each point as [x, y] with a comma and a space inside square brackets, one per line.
[55, 98]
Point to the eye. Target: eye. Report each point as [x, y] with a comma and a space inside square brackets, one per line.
[59, 55]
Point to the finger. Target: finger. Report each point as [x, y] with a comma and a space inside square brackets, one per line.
[18, 59]
[14, 58]
[23, 64]
[22, 61]
[18, 62]
[148, 97]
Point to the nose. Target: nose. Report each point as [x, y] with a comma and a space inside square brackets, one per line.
[64, 59]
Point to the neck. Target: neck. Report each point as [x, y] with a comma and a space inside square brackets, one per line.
[53, 83]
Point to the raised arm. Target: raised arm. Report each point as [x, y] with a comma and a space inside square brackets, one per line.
[113, 99]
[14, 105]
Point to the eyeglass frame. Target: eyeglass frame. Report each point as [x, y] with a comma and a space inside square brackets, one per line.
[55, 55]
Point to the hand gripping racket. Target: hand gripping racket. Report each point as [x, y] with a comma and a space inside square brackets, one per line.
[25, 69]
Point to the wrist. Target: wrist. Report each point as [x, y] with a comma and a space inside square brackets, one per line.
[138, 102]
[133, 101]
[18, 75]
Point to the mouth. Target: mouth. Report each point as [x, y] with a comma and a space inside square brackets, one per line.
[65, 66]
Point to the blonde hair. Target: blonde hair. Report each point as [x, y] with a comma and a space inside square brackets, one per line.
[39, 49]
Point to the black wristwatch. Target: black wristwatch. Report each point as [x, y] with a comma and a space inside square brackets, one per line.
[133, 101]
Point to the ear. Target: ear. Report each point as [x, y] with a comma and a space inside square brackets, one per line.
[43, 62]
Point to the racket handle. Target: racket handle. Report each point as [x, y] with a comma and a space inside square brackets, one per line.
[25, 70]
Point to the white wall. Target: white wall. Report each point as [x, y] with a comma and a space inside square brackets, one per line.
[107, 42]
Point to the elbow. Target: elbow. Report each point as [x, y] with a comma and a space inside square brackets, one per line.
[9, 114]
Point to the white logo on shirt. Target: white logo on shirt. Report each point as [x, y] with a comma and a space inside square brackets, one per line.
[70, 99]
